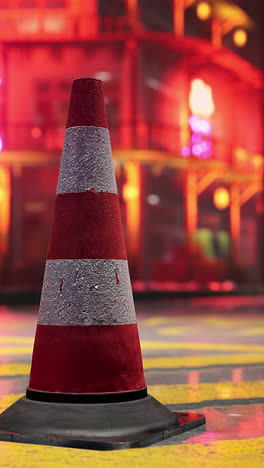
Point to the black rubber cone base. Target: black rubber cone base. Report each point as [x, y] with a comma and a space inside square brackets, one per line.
[103, 426]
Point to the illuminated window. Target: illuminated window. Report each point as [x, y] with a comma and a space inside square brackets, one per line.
[202, 106]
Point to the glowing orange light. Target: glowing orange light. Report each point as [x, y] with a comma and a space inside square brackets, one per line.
[36, 132]
[240, 37]
[131, 194]
[240, 154]
[203, 11]
[201, 99]
[5, 184]
[221, 198]
[258, 161]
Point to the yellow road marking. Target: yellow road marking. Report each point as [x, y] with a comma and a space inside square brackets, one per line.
[16, 339]
[226, 322]
[155, 321]
[15, 350]
[173, 330]
[217, 321]
[202, 361]
[184, 393]
[149, 345]
[13, 369]
[158, 345]
[249, 332]
[8, 400]
[195, 361]
[221, 454]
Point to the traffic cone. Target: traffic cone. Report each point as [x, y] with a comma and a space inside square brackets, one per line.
[87, 386]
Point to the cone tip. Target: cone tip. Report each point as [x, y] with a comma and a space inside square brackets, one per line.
[90, 81]
[87, 104]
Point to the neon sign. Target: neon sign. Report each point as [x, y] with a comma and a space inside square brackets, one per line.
[202, 106]
[201, 100]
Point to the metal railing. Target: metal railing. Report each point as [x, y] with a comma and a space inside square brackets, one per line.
[140, 135]
[56, 23]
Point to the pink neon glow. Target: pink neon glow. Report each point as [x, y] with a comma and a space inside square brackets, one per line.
[185, 151]
[197, 149]
[196, 138]
[206, 128]
[200, 125]
[1, 144]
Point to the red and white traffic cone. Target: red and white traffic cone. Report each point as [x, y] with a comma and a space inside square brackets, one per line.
[87, 386]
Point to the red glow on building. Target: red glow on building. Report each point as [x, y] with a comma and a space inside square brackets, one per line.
[5, 194]
[177, 112]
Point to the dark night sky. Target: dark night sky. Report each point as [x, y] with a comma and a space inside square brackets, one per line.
[253, 7]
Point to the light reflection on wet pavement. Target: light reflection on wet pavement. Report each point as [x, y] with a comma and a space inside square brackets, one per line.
[204, 355]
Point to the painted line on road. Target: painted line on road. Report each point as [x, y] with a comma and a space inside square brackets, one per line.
[187, 393]
[184, 393]
[16, 340]
[187, 362]
[243, 453]
[196, 362]
[15, 350]
[145, 345]
[150, 345]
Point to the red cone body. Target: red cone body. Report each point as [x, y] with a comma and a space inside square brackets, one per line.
[87, 387]
[87, 338]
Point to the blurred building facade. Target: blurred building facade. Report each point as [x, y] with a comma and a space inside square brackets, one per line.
[185, 123]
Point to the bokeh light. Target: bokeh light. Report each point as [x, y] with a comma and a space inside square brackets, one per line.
[153, 199]
[221, 198]
[240, 37]
[203, 11]
[185, 151]
[36, 132]
[258, 161]
[201, 99]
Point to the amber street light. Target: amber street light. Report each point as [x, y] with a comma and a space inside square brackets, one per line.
[225, 16]
[203, 11]
[240, 37]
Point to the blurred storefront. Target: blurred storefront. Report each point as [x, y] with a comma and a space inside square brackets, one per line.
[185, 123]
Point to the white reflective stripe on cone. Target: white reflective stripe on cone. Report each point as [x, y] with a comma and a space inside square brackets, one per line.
[86, 162]
[86, 292]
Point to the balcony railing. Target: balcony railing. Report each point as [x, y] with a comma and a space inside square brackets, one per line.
[136, 135]
[47, 24]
